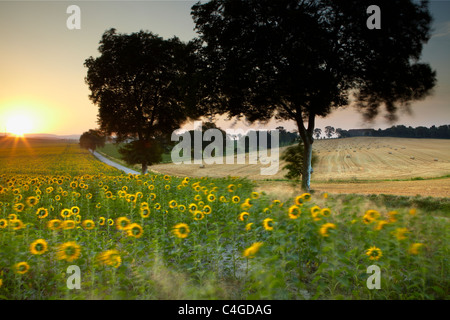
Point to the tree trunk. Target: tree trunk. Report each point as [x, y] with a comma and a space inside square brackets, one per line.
[144, 168]
[307, 137]
[307, 168]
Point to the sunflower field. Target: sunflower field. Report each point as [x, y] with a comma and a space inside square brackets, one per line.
[162, 237]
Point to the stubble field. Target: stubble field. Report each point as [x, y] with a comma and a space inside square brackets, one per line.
[362, 165]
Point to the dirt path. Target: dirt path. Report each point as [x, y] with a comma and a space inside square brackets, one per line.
[113, 164]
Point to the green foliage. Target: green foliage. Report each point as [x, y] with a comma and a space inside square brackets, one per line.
[293, 155]
[92, 139]
[141, 152]
[142, 85]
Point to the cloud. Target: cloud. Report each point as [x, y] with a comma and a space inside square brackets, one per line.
[443, 30]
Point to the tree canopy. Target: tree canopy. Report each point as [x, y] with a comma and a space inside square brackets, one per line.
[142, 85]
[296, 60]
[92, 139]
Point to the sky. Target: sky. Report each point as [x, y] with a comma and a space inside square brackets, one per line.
[42, 87]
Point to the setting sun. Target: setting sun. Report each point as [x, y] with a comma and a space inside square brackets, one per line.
[19, 124]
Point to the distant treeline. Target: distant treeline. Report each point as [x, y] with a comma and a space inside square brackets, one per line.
[286, 138]
[401, 131]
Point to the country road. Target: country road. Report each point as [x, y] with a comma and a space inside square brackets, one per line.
[113, 164]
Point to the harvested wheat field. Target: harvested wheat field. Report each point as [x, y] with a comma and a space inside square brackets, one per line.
[353, 165]
[370, 158]
[360, 158]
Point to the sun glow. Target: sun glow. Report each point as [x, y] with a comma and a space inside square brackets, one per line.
[19, 124]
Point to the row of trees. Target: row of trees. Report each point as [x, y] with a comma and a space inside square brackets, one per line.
[401, 131]
[261, 59]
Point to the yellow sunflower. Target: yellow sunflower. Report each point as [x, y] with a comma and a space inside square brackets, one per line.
[207, 209]
[372, 214]
[268, 224]
[192, 207]
[325, 227]
[172, 204]
[54, 224]
[298, 200]
[414, 248]
[399, 233]
[21, 267]
[32, 201]
[39, 246]
[294, 212]
[88, 224]
[392, 216]
[68, 225]
[243, 216]
[380, 225]
[18, 207]
[16, 224]
[306, 196]
[198, 215]
[252, 250]
[68, 251]
[181, 230]
[66, 213]
[144, 212]
[42, 213]
[326, 212]
[374, 253]
[211, 197]
[122, 223]
[110, 258]
[134, 230]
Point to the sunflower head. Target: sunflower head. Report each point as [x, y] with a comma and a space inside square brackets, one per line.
[21, 268]
[268, 224]
[38, 247]
[134, 230]
[325, 227]
[88, 224]
[54, 224]
[374, 253]
[68, 251]
[243, 216]
[42, 213]
[181, 230]
[122, 223]
[198, 215]
[252, 250]
[294, 212]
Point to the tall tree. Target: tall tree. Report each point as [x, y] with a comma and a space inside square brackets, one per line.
[297, 60]
[317, 132]
[329, 131]
[141, 84]
[92, 139]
